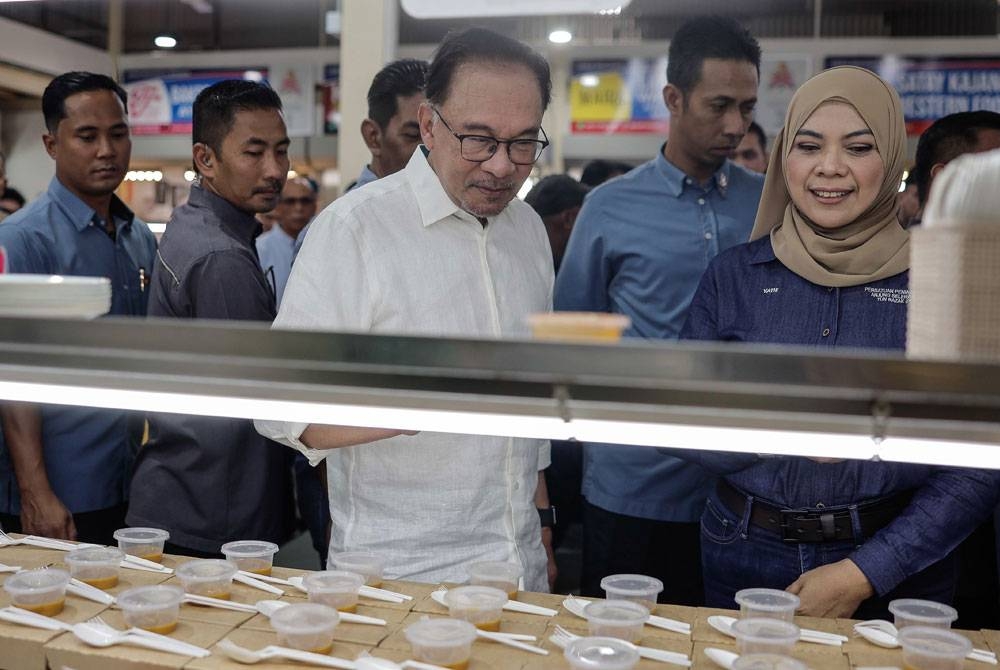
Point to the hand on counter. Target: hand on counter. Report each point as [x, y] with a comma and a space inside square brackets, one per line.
[44, 514]
[834, 590]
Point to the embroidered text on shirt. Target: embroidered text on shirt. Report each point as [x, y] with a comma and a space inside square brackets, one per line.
[899, 296]
[771, 290]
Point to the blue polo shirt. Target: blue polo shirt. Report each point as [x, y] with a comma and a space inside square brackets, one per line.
[87, 451]
[639, 248]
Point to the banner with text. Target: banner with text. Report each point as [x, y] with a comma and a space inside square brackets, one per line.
[932, 87]
[160, 101]
[619, 96]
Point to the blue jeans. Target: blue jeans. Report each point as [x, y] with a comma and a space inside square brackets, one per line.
[737, 555]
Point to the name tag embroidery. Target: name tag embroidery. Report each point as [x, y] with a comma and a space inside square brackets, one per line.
[770, 290]
[898, 296]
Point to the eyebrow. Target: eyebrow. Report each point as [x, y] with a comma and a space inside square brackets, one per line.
[819, 136]
[479, 127]
[91, 129]
[258, 142]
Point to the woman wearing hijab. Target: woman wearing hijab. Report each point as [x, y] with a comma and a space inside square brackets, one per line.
[827, 266]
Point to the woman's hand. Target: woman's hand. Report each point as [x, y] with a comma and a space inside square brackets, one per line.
[834, 590]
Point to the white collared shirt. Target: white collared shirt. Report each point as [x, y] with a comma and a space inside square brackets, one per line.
[399, 257]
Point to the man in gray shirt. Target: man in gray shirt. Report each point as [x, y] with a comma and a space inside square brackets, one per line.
[210, 480]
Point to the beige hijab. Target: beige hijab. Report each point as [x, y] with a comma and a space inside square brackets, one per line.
[873, 246]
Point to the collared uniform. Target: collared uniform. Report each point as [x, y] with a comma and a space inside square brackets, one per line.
[748, 295]
[399, 257]
[209, 480]
[87, 451]
[639, 248]
[276, 250]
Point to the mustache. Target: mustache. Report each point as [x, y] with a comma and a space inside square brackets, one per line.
[493, 184]
[271, 186]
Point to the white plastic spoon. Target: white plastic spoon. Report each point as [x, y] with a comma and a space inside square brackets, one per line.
[26, 618]
[99, 636]
[366, 591]
[721, 657]
[269, 607]
[576, 606]
[724, 624]
[510, 605]
[365, 662]
[244, 655]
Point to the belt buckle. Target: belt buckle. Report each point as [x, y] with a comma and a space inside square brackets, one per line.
[791, 533]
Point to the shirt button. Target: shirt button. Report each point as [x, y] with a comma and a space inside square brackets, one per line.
[708, 236]
[826, 331]
[687, 181]
[701, 201]
[517, 485]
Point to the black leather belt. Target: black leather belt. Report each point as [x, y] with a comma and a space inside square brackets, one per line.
[814, 525]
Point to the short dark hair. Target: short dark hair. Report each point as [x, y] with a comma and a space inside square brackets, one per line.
[398, 79]
[945, 140]
[755, 129]
[215, 108]
[596, 172]
[71, 83]
[554, 194]
[708, 37]
[484, 46]
[13, 194]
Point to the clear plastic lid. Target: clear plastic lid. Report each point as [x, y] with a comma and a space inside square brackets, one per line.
[475, 597]
[333, 580]
[922, 612]
[934, 643]
[620, 612]
[39, 580]
[601, 653]
[361, 562]
[767, 600]
[633, 586]
[146, 598]
[767, 662]
[766, 630]
[141, 535]
[440, 633]
[206, 569]
[305, 618]
[249, 549]
[94, 556]
[494, 571]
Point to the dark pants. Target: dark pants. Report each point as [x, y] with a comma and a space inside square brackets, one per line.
[314, 504]
[97, 527]
[738, 555]
[617, 544]
[563, 479]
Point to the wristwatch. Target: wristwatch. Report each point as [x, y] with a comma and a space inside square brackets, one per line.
[547, 515]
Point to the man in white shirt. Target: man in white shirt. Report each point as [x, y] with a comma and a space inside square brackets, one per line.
[441, 248]
[276, 247]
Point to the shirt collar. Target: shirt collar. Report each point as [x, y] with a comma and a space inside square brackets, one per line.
[677, 180]
[432, 200]
[79, 212]
[236, 222]
[764, 252]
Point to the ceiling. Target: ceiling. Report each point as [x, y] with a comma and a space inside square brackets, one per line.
[208, 25]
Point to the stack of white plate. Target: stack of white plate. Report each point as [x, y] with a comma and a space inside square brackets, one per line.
[54, 296]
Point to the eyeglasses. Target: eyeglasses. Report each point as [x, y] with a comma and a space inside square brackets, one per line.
[481, 148]
[304, 201]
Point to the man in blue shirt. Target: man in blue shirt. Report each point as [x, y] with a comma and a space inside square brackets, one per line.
[639, 248]
[64, 470]
[276, 247]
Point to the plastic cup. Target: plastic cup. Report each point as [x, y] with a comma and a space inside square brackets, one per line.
[498, 574]
[601, 653]
[334, 588]
[445, 642]
[154, 608]
[765, 636]
[306, 626]
[479, 605]
[767, 604]
[913, 612]
[637, 588]
[578, 326]
[211, 577]
[97, 566]
[254, 556]
[368, 565]
[142, 542]
[42, 590]
[622, 619]
[767, 662]
[926, 648]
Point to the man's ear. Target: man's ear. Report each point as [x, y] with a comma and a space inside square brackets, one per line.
[372, 135]
[49, 141]
[204, 159]
[425, 118]
[935, 170]
[673, 98]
